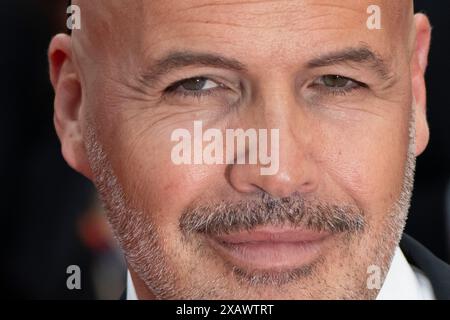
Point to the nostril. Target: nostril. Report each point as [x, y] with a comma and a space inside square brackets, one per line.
[240, 177]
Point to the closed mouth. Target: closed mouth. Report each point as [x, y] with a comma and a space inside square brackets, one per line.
[270, 248]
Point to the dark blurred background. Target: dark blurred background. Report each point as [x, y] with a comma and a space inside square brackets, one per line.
[51, 217]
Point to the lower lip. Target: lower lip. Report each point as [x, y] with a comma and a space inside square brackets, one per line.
[271, 249]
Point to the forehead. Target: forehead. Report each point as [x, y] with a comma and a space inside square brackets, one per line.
[269, 29]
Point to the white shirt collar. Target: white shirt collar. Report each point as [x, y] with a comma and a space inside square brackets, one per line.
[403, 282]
[131, 291]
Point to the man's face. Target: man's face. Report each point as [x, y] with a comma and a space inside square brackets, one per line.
[341, 96]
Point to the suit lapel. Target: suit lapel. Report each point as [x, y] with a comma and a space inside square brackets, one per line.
[437, 271]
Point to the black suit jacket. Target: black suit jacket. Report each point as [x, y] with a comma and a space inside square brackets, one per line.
[436, 270]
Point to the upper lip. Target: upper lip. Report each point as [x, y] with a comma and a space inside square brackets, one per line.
[272, 235]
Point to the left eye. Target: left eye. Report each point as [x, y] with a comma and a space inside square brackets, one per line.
[336, 82]
[196, 84]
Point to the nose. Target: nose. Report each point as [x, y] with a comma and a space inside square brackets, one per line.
[297, 169]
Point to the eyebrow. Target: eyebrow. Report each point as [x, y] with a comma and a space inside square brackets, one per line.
[177, 60]
[180, 59]
[358, 55]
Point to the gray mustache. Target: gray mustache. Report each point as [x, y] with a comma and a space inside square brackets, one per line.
[294, 211]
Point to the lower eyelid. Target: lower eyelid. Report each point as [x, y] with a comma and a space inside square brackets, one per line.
[323, 90]
[194, 94]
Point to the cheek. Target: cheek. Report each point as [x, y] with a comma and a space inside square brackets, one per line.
[150, 179]
[367, 163]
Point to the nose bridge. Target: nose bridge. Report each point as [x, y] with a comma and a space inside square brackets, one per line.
[275, 103]
[279, 108]
[275, 106]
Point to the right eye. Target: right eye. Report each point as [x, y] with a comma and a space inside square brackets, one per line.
[199, 90]
[197, 84]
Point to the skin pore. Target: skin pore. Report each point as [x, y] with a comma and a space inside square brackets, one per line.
[347, 152]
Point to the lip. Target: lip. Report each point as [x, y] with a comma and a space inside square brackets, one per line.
[271, 248]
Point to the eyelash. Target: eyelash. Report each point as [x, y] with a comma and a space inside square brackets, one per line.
[357, 85]
[174, 89]
[338, 92]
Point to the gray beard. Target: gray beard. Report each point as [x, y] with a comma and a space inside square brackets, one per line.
[139, 236]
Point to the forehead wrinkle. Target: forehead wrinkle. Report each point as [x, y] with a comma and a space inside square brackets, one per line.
[282, 14]
[109, 24]
[102, 7]
[110, 13]
[220, 19]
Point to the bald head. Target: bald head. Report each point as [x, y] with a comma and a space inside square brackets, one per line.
[103, 15]
[119, 27]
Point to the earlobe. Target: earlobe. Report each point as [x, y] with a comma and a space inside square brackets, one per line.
[422, 130]
[418, 68]
[67, 104]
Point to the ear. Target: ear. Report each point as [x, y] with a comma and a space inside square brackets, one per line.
[419, 64]
[68, 103]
